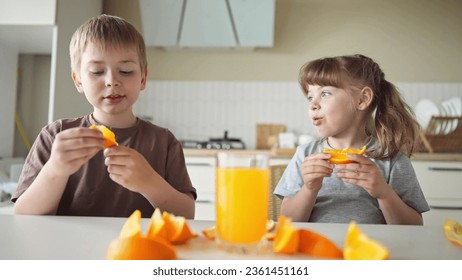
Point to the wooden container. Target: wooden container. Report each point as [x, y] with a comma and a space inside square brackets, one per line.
[267, 134]
[443, 135]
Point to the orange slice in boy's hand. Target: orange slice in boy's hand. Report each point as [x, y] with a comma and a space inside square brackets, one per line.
[340, 156]
[108, 135]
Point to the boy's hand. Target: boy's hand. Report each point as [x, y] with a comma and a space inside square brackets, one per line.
[314, 168]
[127, 167]
[364, 173]
[72, 148]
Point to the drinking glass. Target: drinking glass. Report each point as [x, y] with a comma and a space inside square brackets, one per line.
[242, 189]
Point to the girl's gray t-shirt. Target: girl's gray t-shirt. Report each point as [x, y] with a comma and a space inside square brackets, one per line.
[340, 202]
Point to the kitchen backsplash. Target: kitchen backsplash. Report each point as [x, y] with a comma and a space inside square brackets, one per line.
[199, 110]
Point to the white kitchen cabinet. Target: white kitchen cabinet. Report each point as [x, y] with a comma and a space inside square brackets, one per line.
[201, 171]
[208, 23]
[442, 187]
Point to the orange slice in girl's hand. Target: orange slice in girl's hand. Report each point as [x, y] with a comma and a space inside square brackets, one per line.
[108, 135]
[340, 156]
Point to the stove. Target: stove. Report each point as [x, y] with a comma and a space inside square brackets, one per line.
[224, 143]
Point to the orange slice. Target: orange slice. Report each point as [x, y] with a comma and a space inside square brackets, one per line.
[140, 248]
[132, 226]
[132, 245]
[453, 231]
[157, 226]
[108, 135]
[358, 246]
[209, 232]
[286, 238]
[317, 245]
[340, 156]
[178, 231]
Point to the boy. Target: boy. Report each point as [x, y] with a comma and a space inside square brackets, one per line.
[67, 172]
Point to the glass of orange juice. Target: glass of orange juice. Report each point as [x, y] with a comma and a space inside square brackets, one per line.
[242, 189]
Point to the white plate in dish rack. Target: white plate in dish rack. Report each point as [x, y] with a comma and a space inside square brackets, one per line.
[424, 110]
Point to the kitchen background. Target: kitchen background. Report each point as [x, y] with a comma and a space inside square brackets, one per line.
[418, 44]
[202, 90]
[198, 110]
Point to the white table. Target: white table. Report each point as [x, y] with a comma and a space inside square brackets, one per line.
[87, 238]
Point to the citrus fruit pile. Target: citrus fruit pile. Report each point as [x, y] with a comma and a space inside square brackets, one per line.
[340, 156]
[357, 246]
[164, 231]
[108, 135]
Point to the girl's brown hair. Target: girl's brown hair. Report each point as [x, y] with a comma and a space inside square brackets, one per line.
[106, 30]
[394, 125]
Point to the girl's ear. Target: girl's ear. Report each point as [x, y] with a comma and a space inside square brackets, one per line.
[365, 98]
[77, 83]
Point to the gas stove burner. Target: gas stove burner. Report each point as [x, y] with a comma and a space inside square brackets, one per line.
[224, 143]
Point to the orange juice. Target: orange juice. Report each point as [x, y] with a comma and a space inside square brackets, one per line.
[242, 204]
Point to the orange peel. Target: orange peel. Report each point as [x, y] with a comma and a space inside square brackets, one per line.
[340, 156]
[317, 245]
[108, 136]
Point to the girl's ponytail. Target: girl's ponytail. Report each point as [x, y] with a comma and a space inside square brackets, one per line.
[395, 126]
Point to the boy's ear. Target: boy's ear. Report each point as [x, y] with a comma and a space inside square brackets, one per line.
[144, 78]
[365, 98]
[77, 83]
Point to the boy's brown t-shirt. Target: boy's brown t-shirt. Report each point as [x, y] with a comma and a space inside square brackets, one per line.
[90, 191]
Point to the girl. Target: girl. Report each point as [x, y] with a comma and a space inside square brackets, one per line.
[352, 105]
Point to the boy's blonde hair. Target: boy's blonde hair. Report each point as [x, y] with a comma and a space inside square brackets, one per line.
[394, 125]
[106, 30]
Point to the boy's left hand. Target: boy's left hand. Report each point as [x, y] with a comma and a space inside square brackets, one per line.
[364, 173]
[127, 167]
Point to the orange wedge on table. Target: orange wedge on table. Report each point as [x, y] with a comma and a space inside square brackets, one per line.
[178, 231]
[453, 231]
[133, 245]
[286, 238]
[108, 135]
[358, 246]
[340, 156]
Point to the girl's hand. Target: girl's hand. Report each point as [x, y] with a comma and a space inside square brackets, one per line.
[314, 168]
[128, 167]
[72, 148]
[364, 173]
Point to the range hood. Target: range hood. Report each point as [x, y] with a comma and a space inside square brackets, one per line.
[231, 24]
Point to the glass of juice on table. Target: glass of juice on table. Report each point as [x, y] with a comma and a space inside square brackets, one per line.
[242, 190]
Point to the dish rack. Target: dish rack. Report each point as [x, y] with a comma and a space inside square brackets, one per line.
[442, 135]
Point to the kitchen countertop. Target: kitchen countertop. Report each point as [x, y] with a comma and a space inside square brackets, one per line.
[289, 153]
[87, 238]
